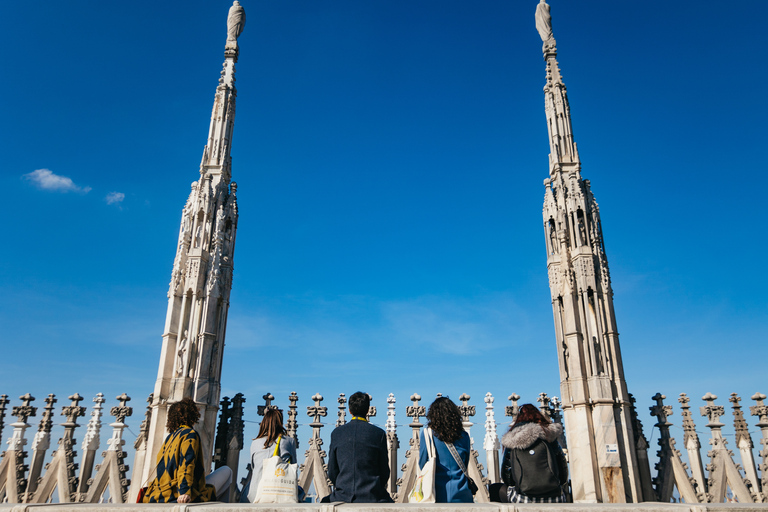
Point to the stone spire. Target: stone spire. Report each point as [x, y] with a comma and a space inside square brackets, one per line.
[491, 443]
[198, 297]
[12, 467]
[411, 467]
[595, 400]
[393, 443]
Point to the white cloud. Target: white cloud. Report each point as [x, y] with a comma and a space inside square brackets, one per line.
[114, 197]
[47, 180]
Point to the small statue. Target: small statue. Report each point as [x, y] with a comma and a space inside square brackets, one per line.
[544, 21]
[220, 219]
[582, 231]
[552, 236]
[181, 352]
[235, 23]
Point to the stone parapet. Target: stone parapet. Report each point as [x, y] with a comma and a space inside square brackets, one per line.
[375, 507]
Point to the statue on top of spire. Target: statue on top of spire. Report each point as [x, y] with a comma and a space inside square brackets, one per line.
[544, 21]
[235, 23]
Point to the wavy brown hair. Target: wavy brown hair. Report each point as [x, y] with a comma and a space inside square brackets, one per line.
[528, 413]
[444, 418]
[183, 412]
[271, 426]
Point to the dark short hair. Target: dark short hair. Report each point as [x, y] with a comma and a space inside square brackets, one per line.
[183, 412]
[359, 403]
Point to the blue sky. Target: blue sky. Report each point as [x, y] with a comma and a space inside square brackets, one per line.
[390, 158]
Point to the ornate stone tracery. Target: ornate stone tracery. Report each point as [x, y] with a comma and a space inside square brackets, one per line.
[201, 278]
[592, 385]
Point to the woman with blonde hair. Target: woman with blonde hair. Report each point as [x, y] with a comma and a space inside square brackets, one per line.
[271, 431]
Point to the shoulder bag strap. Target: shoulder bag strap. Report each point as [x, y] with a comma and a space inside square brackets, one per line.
[429, 441]
[457, 458]
[277, 447]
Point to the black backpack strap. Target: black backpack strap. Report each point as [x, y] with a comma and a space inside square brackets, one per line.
[515, 468]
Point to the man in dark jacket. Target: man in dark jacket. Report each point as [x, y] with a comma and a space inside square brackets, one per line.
[357, 459]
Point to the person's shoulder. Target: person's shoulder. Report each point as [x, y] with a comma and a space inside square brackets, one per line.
[340, 430]
[188, 432]
[372, 427]
[376, 432]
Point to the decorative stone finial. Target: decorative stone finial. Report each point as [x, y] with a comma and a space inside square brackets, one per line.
[342, 414]
[543, 399]
[555, 404]
[391, 423]
[371, 409]
[268, 397]
[660, 410]
[92, 439]
[317, 411]
[491, 439]
[760, 410]
[739, 423]
[512, 410]
[712, 411]
[24, 411]
[415, 411]
[292, 425]
[122, 411]
[47, 421]
[74, 410]
[236, 425]
[544, 21]
[466, 410]
[41, 441]
[3, 402]
[688, 425]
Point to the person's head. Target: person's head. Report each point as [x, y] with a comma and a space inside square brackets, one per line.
[444, 418]
[529, 413]
[183, 412]
[359, 403]
[271, 426]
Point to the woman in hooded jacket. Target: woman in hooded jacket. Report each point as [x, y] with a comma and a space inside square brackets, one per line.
[533, 466]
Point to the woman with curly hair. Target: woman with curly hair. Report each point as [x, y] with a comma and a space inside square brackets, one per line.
[180, 467]
[444, 419]
[533, 466]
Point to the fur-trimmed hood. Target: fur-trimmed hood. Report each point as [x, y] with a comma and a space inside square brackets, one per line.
[525, 434]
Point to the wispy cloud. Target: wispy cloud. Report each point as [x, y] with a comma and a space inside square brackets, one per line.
[47, 180]
[114, 198]
[448, 325]
[456, 325]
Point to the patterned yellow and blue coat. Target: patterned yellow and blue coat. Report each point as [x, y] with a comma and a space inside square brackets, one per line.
[180, 470]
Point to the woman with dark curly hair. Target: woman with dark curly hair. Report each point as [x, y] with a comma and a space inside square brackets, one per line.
[533, 466]
[444, 419]
[180, 467]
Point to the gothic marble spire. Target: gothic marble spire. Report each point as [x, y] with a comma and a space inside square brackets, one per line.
[201, 279]
[595, 400]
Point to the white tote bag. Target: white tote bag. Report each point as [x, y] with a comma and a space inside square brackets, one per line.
[278, 480]
[424, 487]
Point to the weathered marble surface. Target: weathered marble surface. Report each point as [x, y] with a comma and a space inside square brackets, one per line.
[348, 507]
